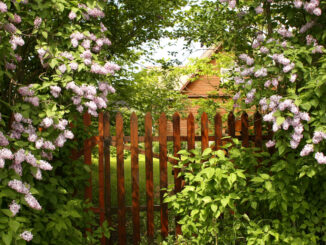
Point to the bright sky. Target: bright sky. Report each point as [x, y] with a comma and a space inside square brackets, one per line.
[176, 47]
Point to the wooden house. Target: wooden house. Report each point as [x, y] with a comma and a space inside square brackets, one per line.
[200, 88]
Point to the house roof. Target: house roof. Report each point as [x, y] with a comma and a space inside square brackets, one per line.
[188, 79]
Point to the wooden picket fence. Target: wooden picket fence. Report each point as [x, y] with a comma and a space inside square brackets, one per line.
[104, 140]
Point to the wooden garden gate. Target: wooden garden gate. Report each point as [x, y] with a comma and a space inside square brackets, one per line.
[104, 140]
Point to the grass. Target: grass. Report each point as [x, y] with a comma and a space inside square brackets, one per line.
[128, 199]
[127, 175]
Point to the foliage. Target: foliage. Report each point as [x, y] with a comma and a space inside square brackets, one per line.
[233, 196]
[53, 67]
[153, 90]
[280, 66]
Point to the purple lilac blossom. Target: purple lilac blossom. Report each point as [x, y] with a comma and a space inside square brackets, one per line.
[297, 4]
[18, 186]
[259, 10]
[62, 68]
[318, 137]
[44, 165]
[307, 149]
[72, 15]
[55, 91]
[14, 208]
[32, 202]
[73, 66]
[27, 236]
[47, 122]
[321, 159]
[37, 22]
[3, 7]
[270, 143]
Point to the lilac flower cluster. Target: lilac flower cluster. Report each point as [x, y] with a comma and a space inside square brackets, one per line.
[28, 95]
[275, 105]
[89, 92]
[14, 208]
[27, 236]
[23, 188]
[285, 32]
[320, 157]
[3, 7]
[246, 58]
[270, 143]
[307, 149]
[318, 137]
[312, 7]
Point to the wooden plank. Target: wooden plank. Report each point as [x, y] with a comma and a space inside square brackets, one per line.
[176, 149]
[149, 176]
[244, 129]
[191, 131]
[95, 139]
[135, 178]
[258, 130]
[157, 208]
[204, 131]
[163, 173]
[101, 173]
[88, 157]
[107, 170]
[231, 124]
[120, 182]
[217, 131]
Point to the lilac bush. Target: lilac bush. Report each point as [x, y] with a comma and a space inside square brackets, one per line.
[54, 68]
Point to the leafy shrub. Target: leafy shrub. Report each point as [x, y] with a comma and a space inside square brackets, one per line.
[236, 196]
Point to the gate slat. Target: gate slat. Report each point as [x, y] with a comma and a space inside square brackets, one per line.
[176, 149]
[204, 131]
[218, 131]
[135, 177]
[106, 134]
[101, 172]
[163, 173]
[191, 131]
[244, 130]
[88, 157]
[120, 181]
[149, 175]
[231, 124]
[258, 130]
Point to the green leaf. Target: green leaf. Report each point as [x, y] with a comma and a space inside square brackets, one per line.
[280, 120]
[225, 201]
[268, 185]
[207, 151]
[14, 225]
[214, 207]
[254, 205]
[7, 238]
[44, 34]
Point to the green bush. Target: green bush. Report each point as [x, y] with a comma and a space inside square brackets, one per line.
[236, 196]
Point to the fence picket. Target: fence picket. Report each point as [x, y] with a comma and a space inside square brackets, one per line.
[204, 131]
[258, 129]
[163, 173]
[231, 124]
[104, 141]
[191, 131]
[107, 172]
[176, 149]
[135, 177]
[120, 181]
[149, 175]
[218, 131]
[244, 130]
[101, 173]
[88, 157]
